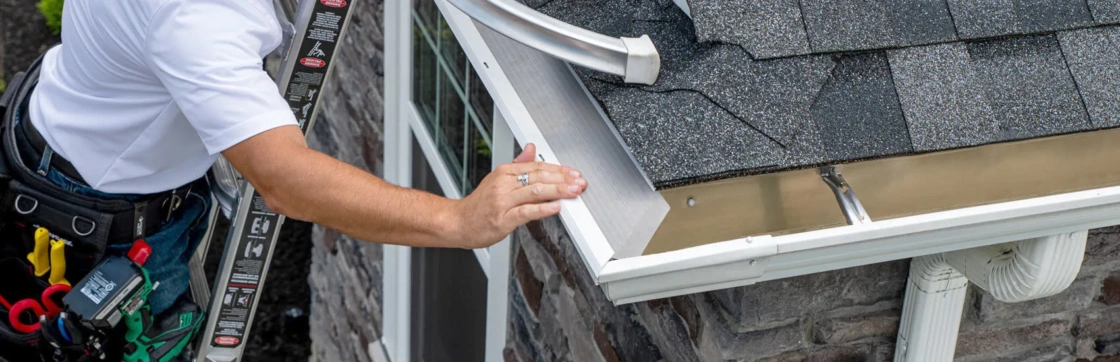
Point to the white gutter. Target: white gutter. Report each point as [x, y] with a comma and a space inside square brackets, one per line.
[1011, 272]
[750, 260]
[728, 264]
[635, 59]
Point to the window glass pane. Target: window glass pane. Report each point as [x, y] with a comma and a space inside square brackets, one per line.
[452, 52]
[452, 120]
[450, 97]
[478, 157]
[481, 102]
[448, 306]
[424, 73]
[428, 14]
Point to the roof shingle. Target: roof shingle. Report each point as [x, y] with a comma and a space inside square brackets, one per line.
[717, 111]
[857, 113]
[1094, 59]
[1105, 11]
[1028, 87]
[990, 18]
[765, 28]
[938, 89]
[843, 25]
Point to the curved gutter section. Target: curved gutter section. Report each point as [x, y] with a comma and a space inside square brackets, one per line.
[635, 59]
[931, 312]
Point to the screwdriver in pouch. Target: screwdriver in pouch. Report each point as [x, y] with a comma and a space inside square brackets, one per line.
[58, 262]
[40, 256]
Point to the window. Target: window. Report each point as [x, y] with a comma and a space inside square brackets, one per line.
[448, 294]
[450, 97]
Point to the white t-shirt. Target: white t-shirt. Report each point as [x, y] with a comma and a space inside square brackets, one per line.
[142, 95]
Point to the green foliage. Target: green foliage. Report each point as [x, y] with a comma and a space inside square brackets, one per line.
[52, 10]
[3, 85]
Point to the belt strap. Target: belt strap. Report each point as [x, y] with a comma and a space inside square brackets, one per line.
[129, 220]
[39, 144]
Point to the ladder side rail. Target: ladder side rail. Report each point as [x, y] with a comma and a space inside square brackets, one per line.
[250, 244]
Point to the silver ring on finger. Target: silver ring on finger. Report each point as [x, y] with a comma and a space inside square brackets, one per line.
[523, 179]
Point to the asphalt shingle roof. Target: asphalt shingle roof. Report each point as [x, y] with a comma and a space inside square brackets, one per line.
[755, 86]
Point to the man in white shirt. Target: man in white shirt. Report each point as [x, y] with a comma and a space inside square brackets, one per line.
[142, 96]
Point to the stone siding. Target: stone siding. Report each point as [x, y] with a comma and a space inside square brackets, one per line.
[346, 273]
[558, 314]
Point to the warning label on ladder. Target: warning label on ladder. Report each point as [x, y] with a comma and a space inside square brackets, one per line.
[316, 48]
[256, 241]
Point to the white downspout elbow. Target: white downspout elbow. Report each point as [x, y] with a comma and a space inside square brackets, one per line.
[1024, 270]
[1011, 272]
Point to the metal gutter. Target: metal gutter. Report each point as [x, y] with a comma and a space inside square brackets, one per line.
[728, 264]
[544, 103]
[635, 59]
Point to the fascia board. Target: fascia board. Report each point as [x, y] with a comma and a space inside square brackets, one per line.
[728, 264]
[585, 232]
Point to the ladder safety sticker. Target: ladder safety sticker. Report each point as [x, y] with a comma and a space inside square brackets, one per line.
[226, 341]
[315, 52]
[313, 62]
[256, 239]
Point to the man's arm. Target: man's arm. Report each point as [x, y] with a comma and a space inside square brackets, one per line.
[304, 184]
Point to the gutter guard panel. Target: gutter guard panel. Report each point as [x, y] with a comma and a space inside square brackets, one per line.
[635, 59]
[618, 214]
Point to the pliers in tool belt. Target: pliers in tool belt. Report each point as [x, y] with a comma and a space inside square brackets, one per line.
[25, 314]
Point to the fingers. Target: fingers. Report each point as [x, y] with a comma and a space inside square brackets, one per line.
[527, 154]
[526, 213]
[530, 167]
[538, 192]
[549, 177]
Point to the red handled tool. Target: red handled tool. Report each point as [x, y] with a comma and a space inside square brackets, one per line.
[48, 306]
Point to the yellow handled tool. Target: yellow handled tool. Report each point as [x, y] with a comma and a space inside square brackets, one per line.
[40, 257]
[58, 262]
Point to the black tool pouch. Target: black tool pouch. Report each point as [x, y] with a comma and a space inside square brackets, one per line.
[29, 199]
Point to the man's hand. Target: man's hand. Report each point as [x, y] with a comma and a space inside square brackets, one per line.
[501, 203]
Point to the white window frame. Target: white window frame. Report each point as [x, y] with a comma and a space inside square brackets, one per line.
[402, 122]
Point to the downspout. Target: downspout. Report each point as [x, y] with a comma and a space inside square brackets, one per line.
[1010, 272]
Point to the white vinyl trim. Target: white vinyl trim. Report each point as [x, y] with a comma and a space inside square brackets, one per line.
[585, 232]
[497, 291]
[397, 260]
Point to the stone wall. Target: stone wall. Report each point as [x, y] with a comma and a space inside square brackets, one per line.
[558, 314]
[346, 273]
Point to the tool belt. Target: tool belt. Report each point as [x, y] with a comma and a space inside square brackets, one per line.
[29, 201]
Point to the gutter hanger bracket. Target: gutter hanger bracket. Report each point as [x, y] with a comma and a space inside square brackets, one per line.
[845, 196]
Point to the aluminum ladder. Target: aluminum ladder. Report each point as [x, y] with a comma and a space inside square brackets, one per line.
[231, 302]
